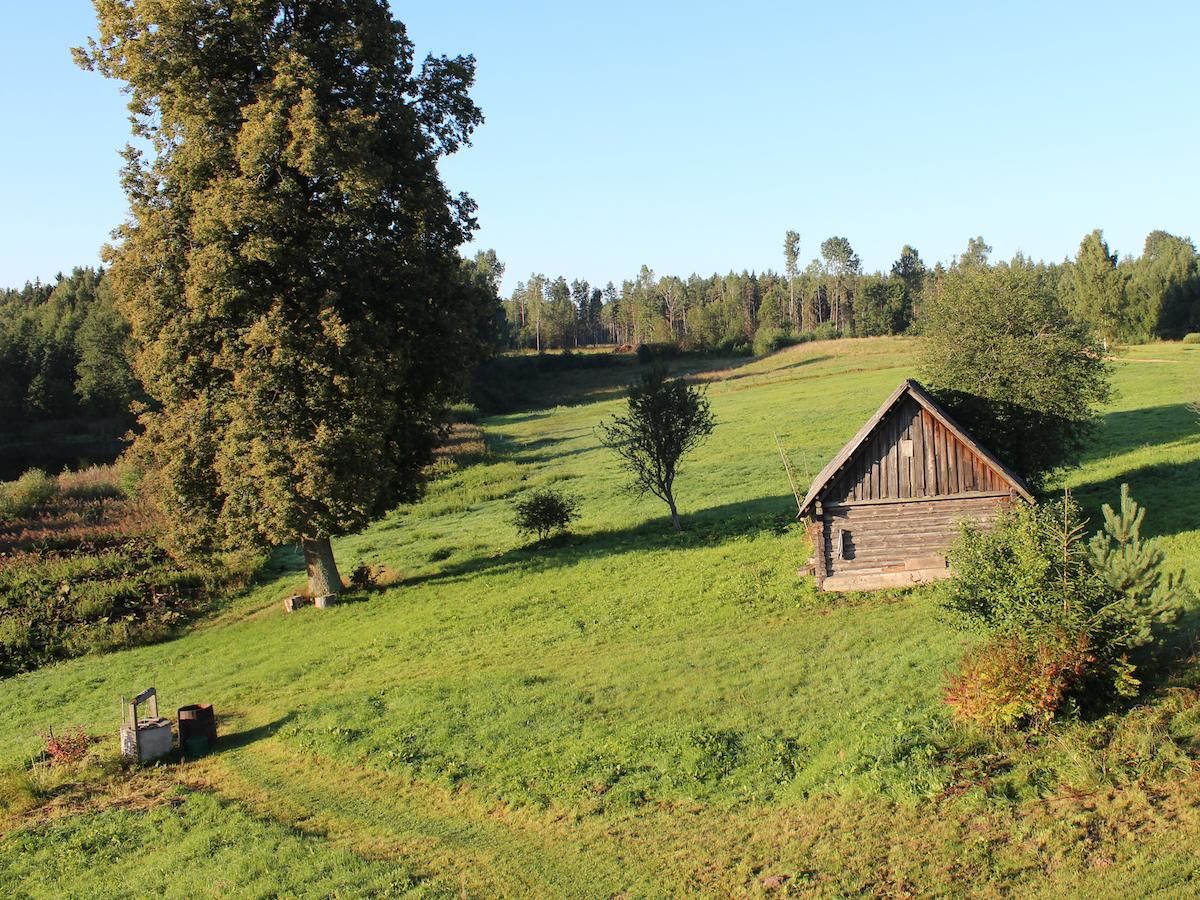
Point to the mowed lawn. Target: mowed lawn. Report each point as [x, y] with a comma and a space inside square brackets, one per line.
[628, 710]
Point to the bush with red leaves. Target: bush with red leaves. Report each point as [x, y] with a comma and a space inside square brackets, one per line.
[69, 747]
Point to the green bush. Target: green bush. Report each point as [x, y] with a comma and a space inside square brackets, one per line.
[544, 511]
[769, 340]
[1192, 337]
[651, 352]
[19, 498]
[1033, 584]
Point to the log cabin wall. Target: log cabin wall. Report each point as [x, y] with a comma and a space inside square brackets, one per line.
[889, 543]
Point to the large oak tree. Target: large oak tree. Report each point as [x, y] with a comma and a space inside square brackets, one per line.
[289, 265]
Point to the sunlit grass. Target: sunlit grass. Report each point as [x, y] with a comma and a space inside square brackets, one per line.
[627, 709]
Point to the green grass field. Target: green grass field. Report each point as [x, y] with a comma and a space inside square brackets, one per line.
[627, 711]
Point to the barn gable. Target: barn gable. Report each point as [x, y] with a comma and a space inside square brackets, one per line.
[911, 448]
[889, 504]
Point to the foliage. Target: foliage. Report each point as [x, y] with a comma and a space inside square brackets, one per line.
[543, 511]
[1012, 681]
[1164, 288]
[768, 340]
[80, 572]
[1017, 370]
[364, 576]
[289, 267]
[666, 419]
[1095, 289]
[1035, 584]
[648, 353]
[18, 498]
[1133, 565]
[65, 357]
[1192, 337]
[66, 747]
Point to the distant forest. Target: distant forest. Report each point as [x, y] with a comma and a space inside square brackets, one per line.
[65, 349]
[64, 357]
[1156, 295]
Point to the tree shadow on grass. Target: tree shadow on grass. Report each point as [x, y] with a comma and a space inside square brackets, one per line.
[1127, 430]
[1173, 655]
[709, 527]
[234, 740]
[1170, 492]
[769, 374]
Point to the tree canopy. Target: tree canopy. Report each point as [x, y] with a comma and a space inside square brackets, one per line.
[1020, 372]
[289, 265]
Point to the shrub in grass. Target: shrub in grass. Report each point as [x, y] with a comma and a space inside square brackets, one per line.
[1192, 337]
[364, 577]
[1063, 615]
[18, 498]
[543, 511]
[67, 747]
[1014, 682]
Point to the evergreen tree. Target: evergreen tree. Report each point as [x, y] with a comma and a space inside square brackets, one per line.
[1094, 288]
[1132, 564]
[289, 266]
[1165, 287]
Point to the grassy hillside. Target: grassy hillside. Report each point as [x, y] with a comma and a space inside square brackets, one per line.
[627, 710]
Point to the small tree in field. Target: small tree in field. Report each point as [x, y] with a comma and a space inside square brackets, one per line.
[544, 511]
[666, 419]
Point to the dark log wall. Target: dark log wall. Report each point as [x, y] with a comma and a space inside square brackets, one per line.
[891, 536]
[911, 454]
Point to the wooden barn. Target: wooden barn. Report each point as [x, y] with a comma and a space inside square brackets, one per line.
[887, 507]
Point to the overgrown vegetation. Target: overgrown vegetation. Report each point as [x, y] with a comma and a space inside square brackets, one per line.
[1063, 615]
[81, 572]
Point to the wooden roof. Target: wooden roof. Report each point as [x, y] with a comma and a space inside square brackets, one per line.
[908, 388]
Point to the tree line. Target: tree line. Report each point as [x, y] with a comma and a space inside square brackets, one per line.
[1132, 300]
[64, 354]
[66, 351]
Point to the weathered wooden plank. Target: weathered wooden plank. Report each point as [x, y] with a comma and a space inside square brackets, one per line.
[894, 457]
[930, 454]
[939, 458]
[918, 468]
[954, 463]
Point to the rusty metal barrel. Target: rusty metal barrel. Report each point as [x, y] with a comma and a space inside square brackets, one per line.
[197, 729]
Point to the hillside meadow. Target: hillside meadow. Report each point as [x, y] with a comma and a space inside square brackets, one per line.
[626, 711]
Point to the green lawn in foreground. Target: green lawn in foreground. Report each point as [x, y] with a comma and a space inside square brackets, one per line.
[634, 710]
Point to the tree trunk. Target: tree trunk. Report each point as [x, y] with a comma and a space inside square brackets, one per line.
[674, 513]
[323, 577]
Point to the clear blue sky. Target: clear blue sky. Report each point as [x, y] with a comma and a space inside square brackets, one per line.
[690, 136]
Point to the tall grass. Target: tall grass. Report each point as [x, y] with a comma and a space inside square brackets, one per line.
[19, 498]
